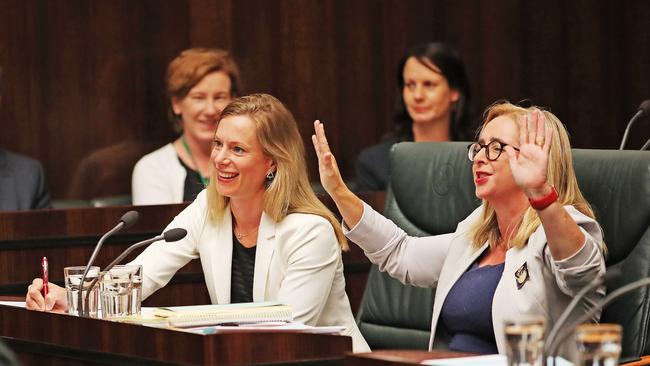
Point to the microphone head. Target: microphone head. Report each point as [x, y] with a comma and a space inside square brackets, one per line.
[174, 234]
[645, 106]
[129, 218]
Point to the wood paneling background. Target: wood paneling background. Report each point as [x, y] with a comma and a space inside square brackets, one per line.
[84, 75]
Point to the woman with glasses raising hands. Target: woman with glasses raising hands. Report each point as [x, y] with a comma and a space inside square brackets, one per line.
[526, 251]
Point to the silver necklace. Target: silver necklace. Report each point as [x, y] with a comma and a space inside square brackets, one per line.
[240, 235]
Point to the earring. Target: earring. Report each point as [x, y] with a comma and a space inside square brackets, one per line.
[269, 178]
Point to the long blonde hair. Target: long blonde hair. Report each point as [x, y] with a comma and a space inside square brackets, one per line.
[290, 191]
[560, 174]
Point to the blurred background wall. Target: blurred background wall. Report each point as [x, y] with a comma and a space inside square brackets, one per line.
[85, 77]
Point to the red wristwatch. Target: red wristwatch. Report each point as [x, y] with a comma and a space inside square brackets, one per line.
[542, 203]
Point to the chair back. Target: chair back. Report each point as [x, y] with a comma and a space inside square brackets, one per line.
[617, 185]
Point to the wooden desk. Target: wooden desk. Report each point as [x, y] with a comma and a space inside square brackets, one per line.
[40, 338]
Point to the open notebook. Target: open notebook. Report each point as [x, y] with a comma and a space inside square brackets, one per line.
[201, 315]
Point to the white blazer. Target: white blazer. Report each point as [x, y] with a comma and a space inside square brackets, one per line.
[158, 178]
[298, 262]
[439, 261]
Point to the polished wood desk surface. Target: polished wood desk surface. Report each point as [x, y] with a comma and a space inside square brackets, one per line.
[41, 338]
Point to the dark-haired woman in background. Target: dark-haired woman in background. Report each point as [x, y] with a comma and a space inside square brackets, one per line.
[433, 105]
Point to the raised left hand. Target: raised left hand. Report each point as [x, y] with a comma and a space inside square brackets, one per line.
[530, 165]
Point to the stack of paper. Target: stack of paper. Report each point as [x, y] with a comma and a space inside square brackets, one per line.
[201, 315]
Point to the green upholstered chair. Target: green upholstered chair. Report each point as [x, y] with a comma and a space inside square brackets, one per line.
[431, 190]
[617, 184]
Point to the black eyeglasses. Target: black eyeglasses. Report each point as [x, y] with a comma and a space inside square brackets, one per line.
[493, 150]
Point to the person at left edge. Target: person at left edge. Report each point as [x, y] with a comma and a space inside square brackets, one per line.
[259, 230]
[22, 179]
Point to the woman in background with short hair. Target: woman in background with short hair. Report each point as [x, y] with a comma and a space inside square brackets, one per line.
[200, 83]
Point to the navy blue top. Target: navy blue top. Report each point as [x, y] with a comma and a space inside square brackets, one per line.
[467, 311]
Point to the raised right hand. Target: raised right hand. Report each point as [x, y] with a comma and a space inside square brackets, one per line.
[350, 206]
[330, 176]
[55, 301]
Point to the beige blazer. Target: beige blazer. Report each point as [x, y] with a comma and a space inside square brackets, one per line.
[439, 261]
[298, 262]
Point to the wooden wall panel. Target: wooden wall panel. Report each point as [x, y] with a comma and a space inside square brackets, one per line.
[84, 75]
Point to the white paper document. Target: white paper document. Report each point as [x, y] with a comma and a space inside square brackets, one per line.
[20, 304]
[486, 360]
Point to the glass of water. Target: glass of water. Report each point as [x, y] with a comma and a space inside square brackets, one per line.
[525, 341]
[599, 344]
[115, 291]
[72, 279]
[136, 288]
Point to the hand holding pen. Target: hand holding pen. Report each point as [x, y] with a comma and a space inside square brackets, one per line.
[45, 275]
[45, 296]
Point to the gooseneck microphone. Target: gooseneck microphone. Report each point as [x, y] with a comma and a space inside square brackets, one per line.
[170, 235]
[644, 108]
[550, 345]
[606, 301]
[646, 145]
[127, 220]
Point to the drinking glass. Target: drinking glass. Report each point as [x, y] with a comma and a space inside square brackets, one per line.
[116, 290]
[599, 344]
[525, 341]
[72, 279]
[136, 287]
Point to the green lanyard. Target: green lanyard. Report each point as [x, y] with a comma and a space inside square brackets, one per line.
[205, 181]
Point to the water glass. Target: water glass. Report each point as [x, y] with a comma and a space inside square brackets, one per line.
[525, 342]
[599, 344]
[72, 278]
[121, 291]
[136, 287]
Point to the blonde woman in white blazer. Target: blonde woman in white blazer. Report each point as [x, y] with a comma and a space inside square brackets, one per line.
[526, 251]
[259, 201]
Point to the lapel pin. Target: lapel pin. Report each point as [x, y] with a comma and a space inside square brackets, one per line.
[521, 275]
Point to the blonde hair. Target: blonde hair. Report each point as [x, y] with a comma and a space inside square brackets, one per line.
[191, 66]
[560, 174]
[290, 191]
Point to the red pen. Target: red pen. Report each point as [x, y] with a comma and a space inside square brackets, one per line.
[44, 265]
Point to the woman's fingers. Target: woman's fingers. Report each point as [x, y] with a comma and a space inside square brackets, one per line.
[523, 129]
[319, 129]
[533, 130]
[34, 299]
[548, 139]
[531, 126]
[315, 142]
[540, 139]
[51, 299]
[321, 145]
